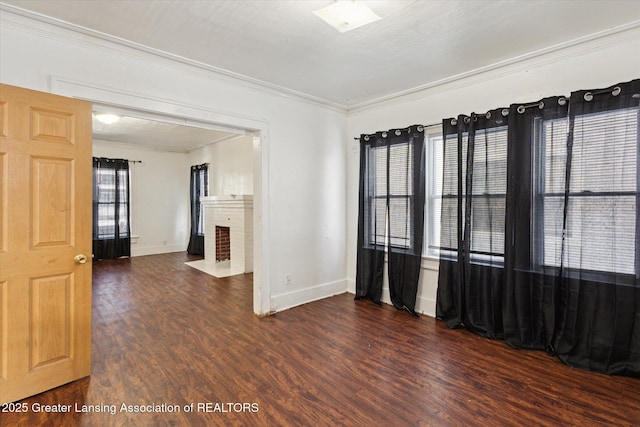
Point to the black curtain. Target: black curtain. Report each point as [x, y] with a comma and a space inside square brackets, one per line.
[472, 222]
[199, 187]
[568, 278]
[391, 215]
[535, 203]
[111, 216]
[599, 323]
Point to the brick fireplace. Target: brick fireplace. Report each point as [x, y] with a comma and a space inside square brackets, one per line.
[228, 235]
[223, 243]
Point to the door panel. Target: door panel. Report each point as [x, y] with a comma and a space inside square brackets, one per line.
[52, 184]
[50, 324]
[45, 221]
[3, 333]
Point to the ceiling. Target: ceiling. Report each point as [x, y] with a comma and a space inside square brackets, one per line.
[160, 135]
[283, 45]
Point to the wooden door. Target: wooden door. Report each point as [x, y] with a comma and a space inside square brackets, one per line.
[45, 229]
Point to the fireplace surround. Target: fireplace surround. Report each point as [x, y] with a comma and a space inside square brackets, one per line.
[236, 213]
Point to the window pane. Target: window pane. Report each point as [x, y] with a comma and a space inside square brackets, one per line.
[450, 168]
[106, 221]
[400, 220]
[449, 213]
[105, 181]
[123, 222]
[551, 242]
[437, 162]
[605, 150]
[448, 223]
[600, 234]
[554, 143]
[112, 207]
[378, 223]
[400, 170]
[487, 231]
[601, 210]
[380, 170]
[490, 162]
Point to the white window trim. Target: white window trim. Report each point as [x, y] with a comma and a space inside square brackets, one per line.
[432, 136]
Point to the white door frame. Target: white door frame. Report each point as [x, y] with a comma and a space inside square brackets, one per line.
[143, 106]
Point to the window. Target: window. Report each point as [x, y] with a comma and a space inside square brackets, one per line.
[111, 202]
[399, 158]
[202, 189]
[549, 181]
[378, 200]
[434, 162]
[488, 194]
[111, 212]
[199, 187]
[601, 221]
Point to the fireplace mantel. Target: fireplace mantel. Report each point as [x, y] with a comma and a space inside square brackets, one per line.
[232, 201]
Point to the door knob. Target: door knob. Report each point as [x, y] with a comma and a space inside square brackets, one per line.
[80, 258]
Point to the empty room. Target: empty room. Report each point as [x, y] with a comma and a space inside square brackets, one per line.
[408, 213]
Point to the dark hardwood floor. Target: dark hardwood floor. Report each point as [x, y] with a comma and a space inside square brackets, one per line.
[167, 334]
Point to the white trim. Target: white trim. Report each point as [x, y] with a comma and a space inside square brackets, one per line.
[303, 296]
[426, 306]
[154, 250]
[161, 109]
[552, 53]
[145, 147]
[129, 46]
[147, 107]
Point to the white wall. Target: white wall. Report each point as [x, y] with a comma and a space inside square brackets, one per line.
[159, 196]
[302, 181]
[230, 165]
[598, 63]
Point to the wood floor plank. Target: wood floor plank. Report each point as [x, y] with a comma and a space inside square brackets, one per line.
[167, 334]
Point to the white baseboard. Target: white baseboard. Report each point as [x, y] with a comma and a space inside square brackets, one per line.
[292, 299]
[154, 250]
[426, 306]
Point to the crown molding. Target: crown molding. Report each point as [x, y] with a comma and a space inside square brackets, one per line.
[128, 47]
[543, 56]
[138, 146]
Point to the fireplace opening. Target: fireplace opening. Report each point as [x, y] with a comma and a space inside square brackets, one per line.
[223, 244]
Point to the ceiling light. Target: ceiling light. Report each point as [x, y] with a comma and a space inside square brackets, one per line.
[107, 119]
[346, 15]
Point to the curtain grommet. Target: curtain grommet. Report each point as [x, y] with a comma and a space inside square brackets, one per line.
[521, 109]
[588, 96]
[616, 91]
[398, 132]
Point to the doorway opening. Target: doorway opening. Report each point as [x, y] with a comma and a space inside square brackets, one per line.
[169, 111]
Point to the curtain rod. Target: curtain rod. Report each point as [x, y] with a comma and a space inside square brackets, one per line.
[424, 126]
[107, 159]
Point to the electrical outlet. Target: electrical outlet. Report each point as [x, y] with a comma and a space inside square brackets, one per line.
[287, 279]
